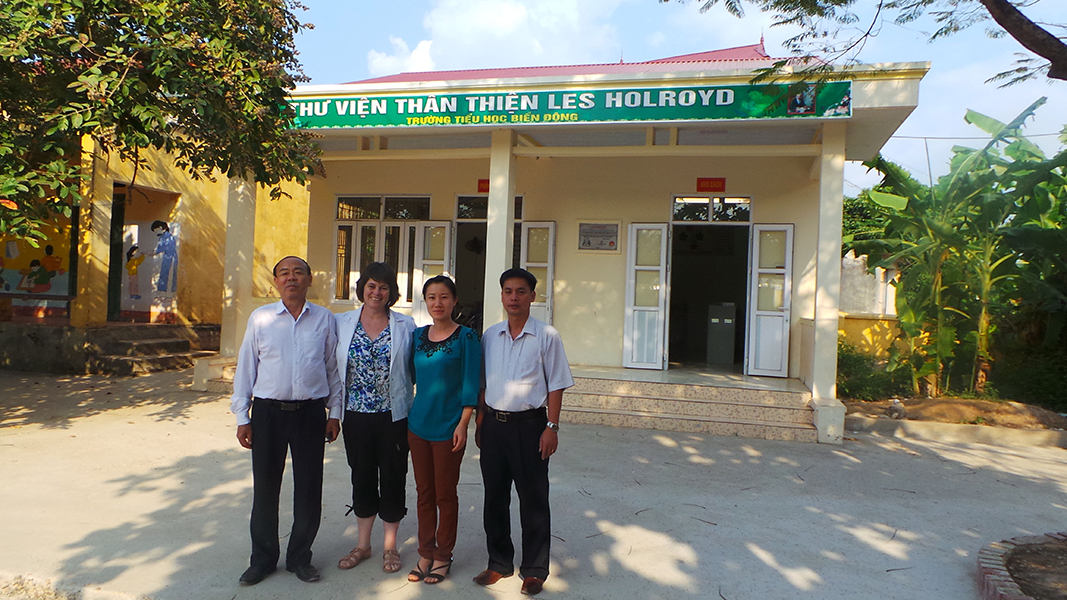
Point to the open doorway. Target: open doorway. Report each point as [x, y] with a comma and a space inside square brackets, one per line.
[470, 273]
[709, 288]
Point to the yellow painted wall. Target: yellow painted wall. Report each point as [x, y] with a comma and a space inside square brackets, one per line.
[281, 230]
[870, 334]
[589, 289]
[200, 210]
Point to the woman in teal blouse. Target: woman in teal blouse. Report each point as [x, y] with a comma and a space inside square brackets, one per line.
[447, 359]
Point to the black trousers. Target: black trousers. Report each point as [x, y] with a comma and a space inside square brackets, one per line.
[274, 432]
[377, 449]
[509, 455]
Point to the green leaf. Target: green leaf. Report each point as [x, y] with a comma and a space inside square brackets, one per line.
[892, 201]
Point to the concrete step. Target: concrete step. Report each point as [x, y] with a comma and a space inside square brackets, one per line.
[136, 365]
[150, 347]
[717, 409]
[220, 386]
[768, 430]
[201, 337]
[742, 394]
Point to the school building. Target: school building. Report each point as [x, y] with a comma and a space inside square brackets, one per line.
[684, 224]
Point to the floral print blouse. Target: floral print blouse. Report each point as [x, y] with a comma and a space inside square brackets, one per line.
[367, 380]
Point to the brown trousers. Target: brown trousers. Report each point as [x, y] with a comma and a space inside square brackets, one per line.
[436, 470]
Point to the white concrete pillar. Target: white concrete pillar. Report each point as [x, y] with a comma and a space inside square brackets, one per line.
[500, 230]
[829, 411]
[237, 275]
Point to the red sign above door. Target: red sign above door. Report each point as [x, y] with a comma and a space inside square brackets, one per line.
[483, 186]
[711, 184]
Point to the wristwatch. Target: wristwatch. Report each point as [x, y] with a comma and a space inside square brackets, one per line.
[553, 426]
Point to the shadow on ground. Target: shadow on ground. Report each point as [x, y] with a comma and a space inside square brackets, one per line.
[57, 401]
[636, 514]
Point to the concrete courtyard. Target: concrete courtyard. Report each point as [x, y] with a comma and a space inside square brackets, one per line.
[137, 488]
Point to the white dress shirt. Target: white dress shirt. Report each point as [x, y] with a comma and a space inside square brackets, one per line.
[400, 380]
[283, 358]
[520, 372]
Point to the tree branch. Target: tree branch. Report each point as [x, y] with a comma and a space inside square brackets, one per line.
[1030, 35]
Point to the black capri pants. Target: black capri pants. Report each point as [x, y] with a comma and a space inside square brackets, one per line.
[377, 449]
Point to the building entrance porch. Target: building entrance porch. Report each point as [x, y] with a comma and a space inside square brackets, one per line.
[695, 399]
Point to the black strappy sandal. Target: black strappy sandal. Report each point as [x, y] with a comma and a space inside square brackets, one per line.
[433, 578]
[416, 574]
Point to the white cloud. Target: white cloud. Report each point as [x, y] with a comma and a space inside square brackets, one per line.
[656, 39]
[471, 34]
[402, 59]
[717, 28]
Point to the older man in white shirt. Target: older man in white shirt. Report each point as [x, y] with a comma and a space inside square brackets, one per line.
[526, 372]
[287, 375]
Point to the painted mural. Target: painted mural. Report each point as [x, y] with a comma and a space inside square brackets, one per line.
[150, 253]
[42, 272]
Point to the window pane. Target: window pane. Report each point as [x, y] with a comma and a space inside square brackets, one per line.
[392, 247]
[344, 261]
[646, 288]
[434, 244]
[537, 245]
[411, 264]
[472, 207]
[772, 250]
[351, 209]
[732, 209]
[649, 243]
[433, 270]
[541, 273]
[516, 251]
[691, 209]
[477, 207]
[771, 291]
[407, 209]
[366, 246]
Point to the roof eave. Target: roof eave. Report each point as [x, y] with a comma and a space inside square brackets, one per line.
[725, 76]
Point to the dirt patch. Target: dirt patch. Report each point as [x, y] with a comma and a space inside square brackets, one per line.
[960, 410]
[1040, 570]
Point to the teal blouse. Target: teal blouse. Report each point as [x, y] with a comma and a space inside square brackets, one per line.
[448, 376]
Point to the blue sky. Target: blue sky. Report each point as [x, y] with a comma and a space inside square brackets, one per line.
[356, 40]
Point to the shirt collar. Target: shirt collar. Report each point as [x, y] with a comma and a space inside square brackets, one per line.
[528, 328]
[281, 308]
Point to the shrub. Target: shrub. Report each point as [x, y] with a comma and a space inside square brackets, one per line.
[860, 376]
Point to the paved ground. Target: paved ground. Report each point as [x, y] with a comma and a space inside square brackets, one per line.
[131, 488]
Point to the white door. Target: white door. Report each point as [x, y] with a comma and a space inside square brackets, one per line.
[646, 297]
[433, 256]
[767, 351]
[537, 254]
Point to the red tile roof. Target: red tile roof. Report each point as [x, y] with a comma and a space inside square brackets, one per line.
[741, 57]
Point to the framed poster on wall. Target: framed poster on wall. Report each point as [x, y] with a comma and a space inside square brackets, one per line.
[599, 237]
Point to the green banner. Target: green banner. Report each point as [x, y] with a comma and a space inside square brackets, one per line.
[517, 107]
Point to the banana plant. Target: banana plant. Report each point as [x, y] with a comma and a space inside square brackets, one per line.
[949, 240]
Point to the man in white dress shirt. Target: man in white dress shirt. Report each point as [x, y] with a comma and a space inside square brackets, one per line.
[287, 375]
[526, 372]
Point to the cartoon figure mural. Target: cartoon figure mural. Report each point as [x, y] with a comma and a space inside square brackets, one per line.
[50, 262]
[27, 269]
[37, 279]
[134, 258]
[167, 246]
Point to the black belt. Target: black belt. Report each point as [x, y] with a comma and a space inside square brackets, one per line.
[523, 415]
[286, 405]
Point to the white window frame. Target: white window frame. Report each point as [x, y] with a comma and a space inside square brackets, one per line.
[380, 225]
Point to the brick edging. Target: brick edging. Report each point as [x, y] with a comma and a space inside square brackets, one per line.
[994, 581]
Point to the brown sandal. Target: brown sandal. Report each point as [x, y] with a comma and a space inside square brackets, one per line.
[353, 558]
[391, 561]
